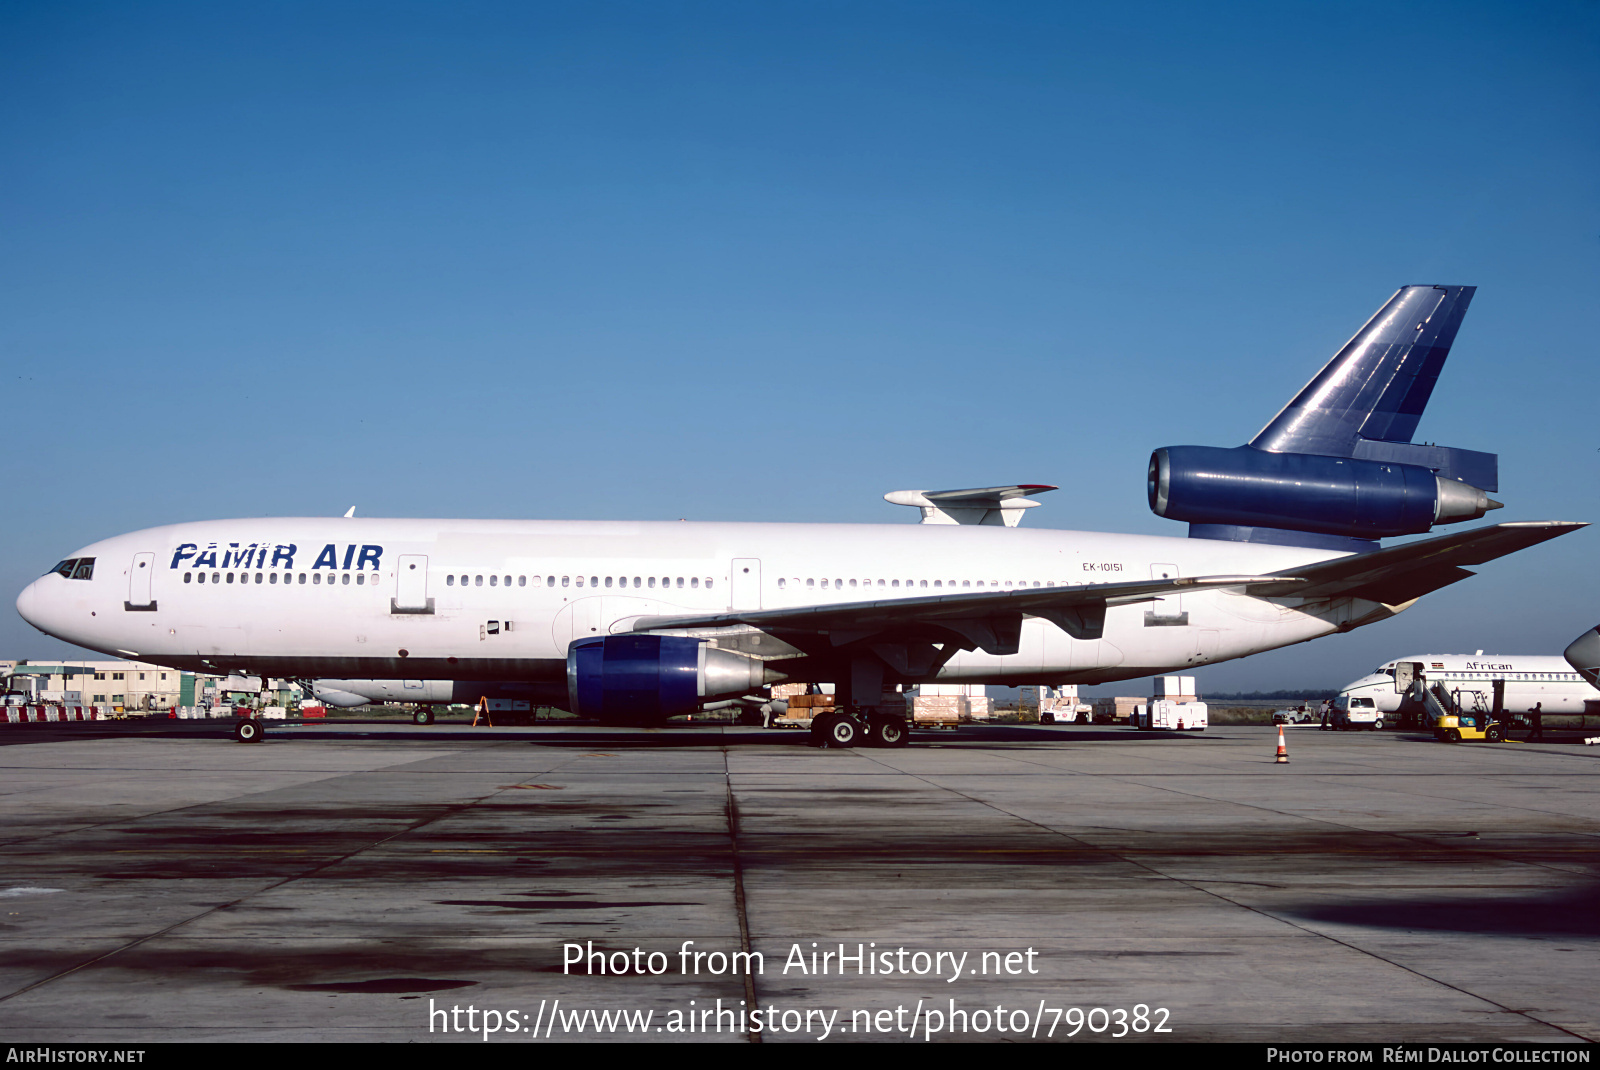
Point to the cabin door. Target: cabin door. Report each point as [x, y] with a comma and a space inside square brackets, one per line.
[744, 590]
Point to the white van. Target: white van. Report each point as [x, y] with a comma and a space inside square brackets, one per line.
[1354, 711]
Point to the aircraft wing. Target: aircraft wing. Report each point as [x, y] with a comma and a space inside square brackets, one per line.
[991, 620]
[1398, 574]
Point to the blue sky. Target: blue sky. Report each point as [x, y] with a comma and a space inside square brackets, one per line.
[769, 261]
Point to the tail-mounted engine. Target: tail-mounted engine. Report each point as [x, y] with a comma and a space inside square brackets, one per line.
[639, 678]
[1336, 468]
[1345, 496]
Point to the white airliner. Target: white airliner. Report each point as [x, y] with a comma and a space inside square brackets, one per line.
[1530, 679]
[637, 621]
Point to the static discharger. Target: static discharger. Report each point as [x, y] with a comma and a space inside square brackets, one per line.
[1283, 749]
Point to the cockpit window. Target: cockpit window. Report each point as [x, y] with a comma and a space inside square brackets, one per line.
[75, 568]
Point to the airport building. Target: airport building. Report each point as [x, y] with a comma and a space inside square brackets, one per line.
[130, 685]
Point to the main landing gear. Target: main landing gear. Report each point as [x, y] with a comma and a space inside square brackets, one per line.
[855, 728]
[423, 715]
[247, 730]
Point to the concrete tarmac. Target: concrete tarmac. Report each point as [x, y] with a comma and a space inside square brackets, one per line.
[340, 882]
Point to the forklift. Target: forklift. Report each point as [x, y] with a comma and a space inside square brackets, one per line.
[1457, 725]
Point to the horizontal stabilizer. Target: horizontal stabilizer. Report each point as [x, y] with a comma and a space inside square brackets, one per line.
[1481, 470]
[1398, 574]
[1378, 384]
[990, 506]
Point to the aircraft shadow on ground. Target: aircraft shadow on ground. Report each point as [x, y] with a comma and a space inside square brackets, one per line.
[1574, 912]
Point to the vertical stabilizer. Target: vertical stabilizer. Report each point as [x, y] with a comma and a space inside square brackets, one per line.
[1376, 387]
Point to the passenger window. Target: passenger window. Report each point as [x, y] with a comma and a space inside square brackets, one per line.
[346, 579]
[552, 581]
[258, 577]
[580, 581]
[652, 583]
[302, 579]
[316, 577]
[608, 581]
[881, 583]
[450, 580]
[508, 581]
[968, 583]
[694, 581]
[494, 581]
[202, 577]
[564, 580]
[811, 583]
[708, 583]
[680, 582]
[824, 583]
[780, 583]
[274, 578]
[637, 581]
[896, 583]
[477, 581]
[853, 583]
[522, 581]
[361, 578]
[936, 583]
[188, 577]
[230, 577]
[594, 581]
[923, 583]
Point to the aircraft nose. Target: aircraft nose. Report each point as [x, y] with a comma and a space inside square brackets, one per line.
[27, 603]
[35, 605]
[1584, 654]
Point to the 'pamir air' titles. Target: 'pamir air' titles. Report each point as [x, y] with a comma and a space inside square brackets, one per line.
[350, 557]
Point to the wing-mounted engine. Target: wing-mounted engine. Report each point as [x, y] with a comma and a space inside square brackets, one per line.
[1337, 467]
[639, 678]
[989, 506]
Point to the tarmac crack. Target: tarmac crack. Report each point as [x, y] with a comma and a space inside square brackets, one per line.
[738, 890]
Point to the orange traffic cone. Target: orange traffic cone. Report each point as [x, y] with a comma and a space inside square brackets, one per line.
[1283, 751]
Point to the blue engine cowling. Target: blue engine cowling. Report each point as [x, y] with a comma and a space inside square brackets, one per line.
[1345, 496]
[639, 678]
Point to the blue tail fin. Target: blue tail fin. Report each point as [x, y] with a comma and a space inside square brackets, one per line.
[1377, 385]
[1336, 468]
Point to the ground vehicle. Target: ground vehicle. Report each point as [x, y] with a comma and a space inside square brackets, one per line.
[1296, 715]
[1354, 711]
[1455, 727]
